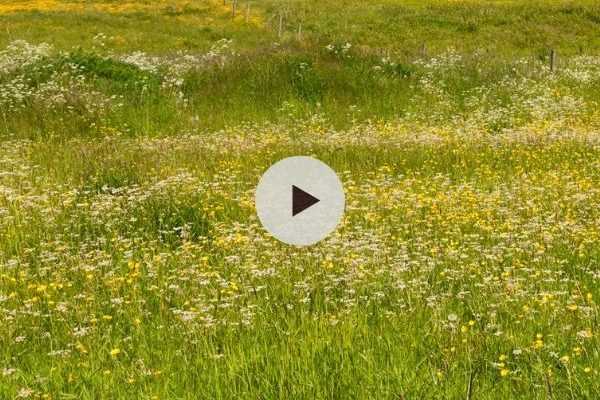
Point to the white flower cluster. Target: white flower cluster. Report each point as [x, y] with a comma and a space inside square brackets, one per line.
[174, 68]
[182, 62]
[443, 62]
[19, 54]
[340, 50]
[582, 69]
[67, 89]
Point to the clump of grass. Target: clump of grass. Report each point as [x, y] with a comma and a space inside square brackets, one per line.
[168, 218]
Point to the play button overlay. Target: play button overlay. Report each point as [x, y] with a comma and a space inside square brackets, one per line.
[300, 200]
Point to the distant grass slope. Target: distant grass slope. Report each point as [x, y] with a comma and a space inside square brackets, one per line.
[158, 27]
[506, 27]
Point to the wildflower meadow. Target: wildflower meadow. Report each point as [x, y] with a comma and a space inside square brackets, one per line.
[133, 135]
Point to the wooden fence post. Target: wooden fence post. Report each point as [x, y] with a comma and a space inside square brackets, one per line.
[247, 12]
[552, 60]
[233, 7]
[280, 25]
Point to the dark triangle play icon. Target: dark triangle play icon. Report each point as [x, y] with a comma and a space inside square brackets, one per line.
[301, 200]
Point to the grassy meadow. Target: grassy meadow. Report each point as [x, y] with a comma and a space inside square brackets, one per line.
[132, 137]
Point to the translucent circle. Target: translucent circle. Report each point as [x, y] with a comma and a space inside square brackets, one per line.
[300, 200]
